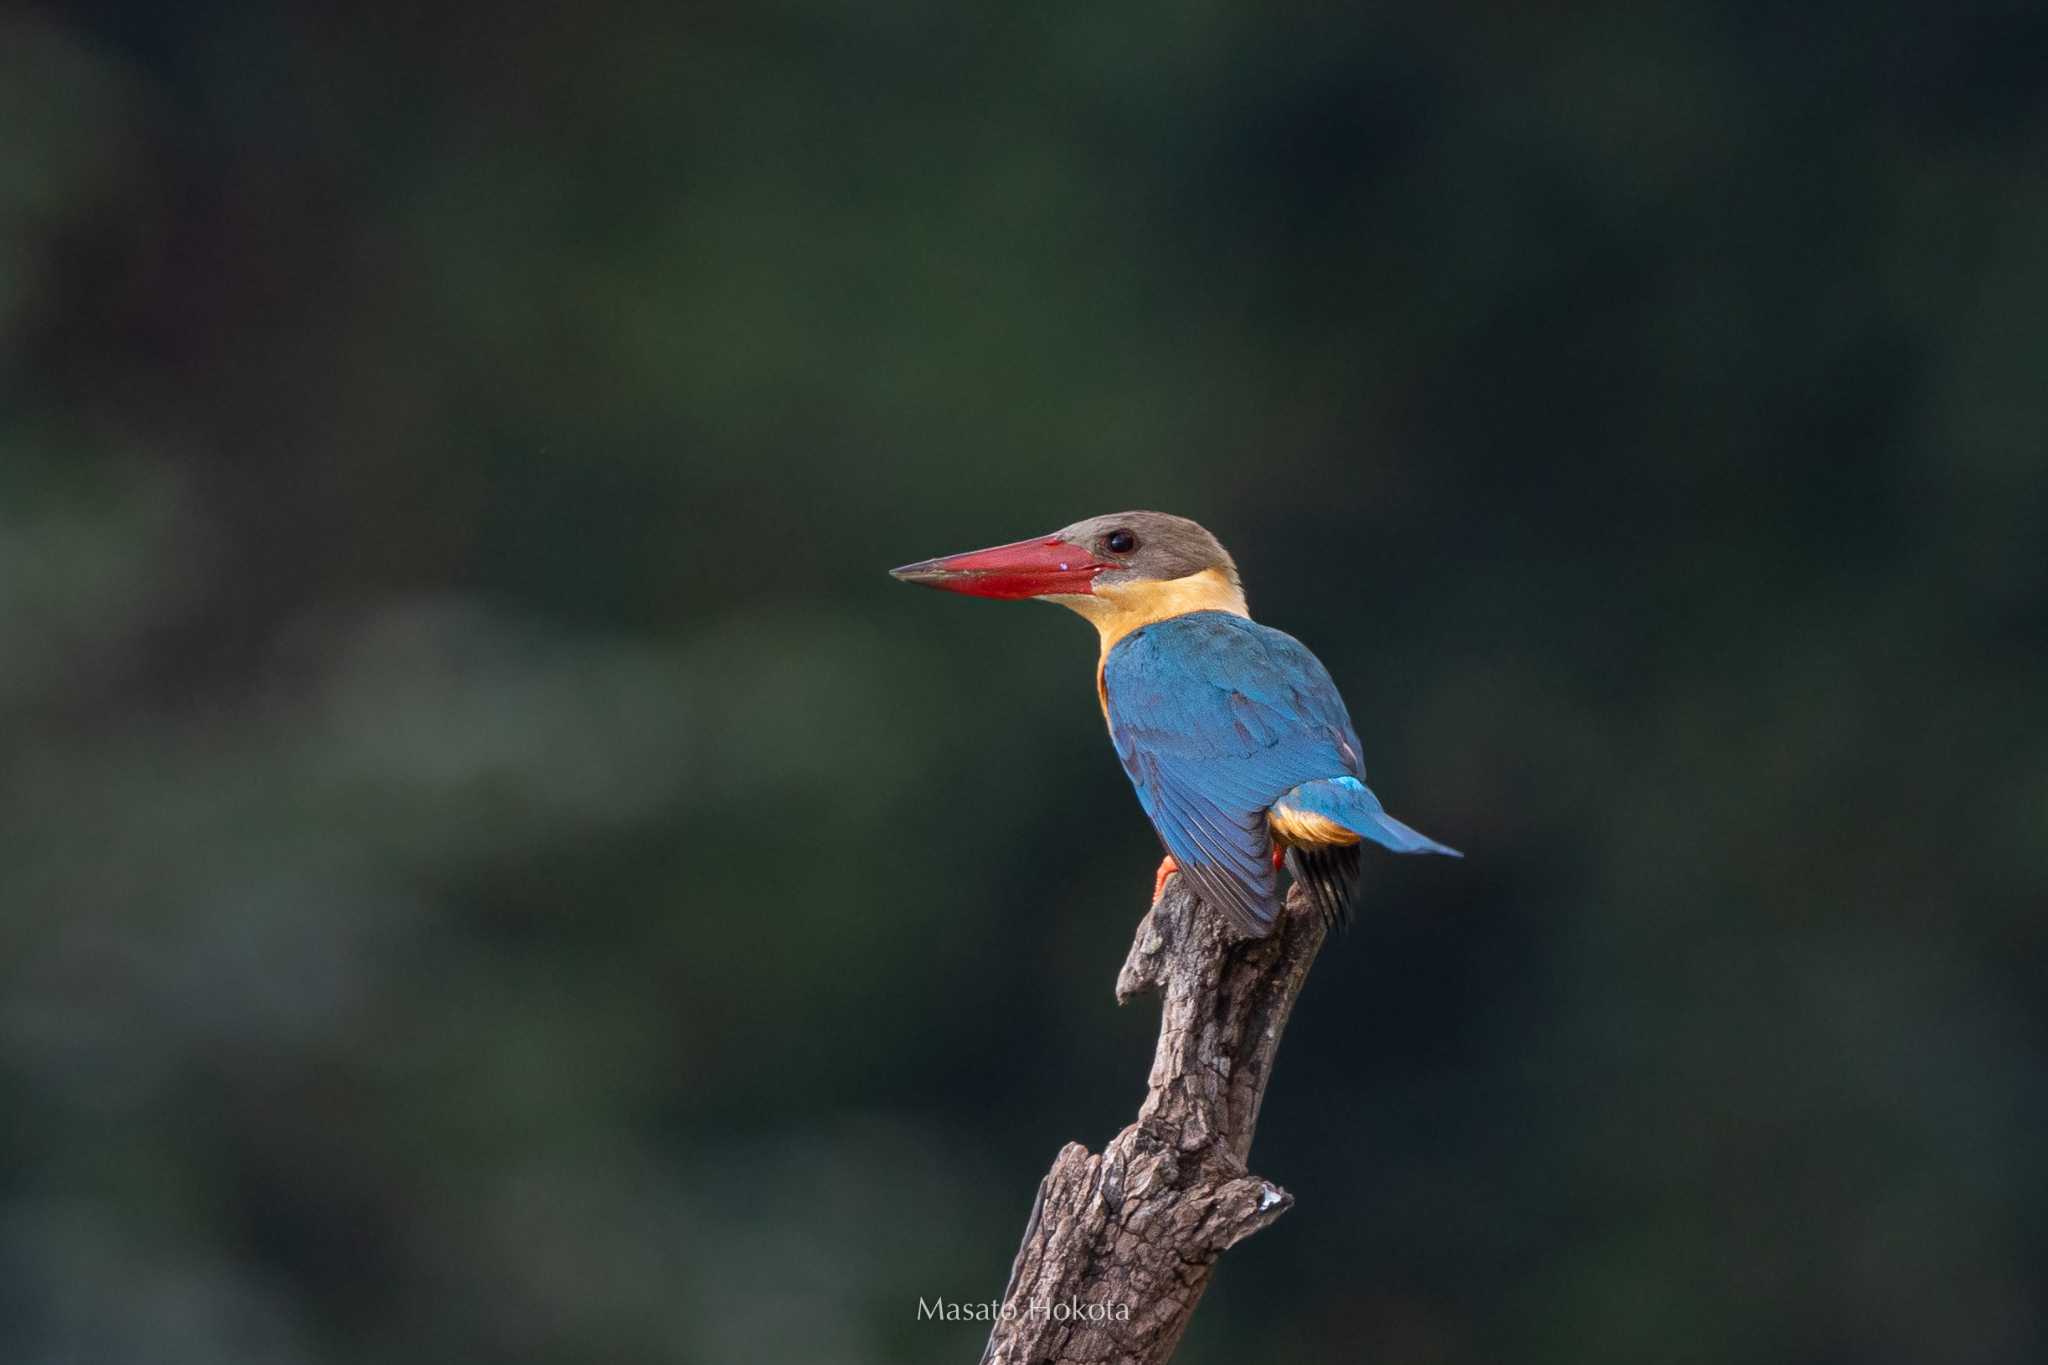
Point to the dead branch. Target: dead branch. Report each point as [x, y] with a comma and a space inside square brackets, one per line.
[1121, 1244]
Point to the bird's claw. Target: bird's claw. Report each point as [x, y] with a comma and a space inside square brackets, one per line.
[1167, 867]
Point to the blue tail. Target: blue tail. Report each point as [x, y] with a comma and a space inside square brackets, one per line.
[1351, 804]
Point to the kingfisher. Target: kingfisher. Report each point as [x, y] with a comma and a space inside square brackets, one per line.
[1235, 737]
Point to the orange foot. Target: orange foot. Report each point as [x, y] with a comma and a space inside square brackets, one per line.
[1167, 867]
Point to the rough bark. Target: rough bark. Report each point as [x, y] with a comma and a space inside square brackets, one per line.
[1121, 1243]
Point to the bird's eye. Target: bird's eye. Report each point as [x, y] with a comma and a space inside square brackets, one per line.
[1121, 542]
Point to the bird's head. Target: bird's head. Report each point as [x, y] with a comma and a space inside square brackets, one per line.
[1111, 569]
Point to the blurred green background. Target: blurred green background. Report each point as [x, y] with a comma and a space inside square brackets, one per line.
[494, 872]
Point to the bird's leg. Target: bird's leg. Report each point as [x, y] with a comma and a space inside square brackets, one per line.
[1167, 867]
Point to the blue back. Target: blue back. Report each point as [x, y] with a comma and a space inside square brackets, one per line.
[1215, 718]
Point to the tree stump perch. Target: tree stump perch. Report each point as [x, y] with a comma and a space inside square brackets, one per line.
[1121, 1244]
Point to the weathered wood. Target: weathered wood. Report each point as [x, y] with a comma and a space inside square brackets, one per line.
[1121, 1244]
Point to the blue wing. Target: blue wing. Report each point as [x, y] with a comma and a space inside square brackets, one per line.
[1215, 718]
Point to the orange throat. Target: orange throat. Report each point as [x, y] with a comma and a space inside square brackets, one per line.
[1115, 610]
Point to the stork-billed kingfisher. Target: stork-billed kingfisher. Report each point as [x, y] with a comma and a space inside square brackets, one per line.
[1232, 732]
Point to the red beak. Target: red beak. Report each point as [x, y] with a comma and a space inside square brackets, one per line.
[1027, 568]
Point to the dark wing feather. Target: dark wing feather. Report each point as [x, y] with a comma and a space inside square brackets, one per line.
[1330, 876]
[1215, 718]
